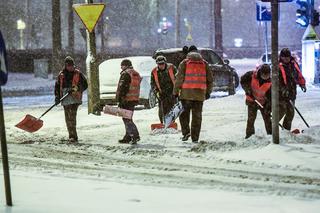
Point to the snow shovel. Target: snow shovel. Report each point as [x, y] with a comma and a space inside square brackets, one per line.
[32, 124]
[161, 125]
[261, 106]
[305, 122]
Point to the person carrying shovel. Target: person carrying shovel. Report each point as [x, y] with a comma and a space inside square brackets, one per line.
[257, 86]
[162, 83]
[290, 76]
[70, 80]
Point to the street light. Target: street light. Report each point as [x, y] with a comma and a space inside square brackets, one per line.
[21, 25]
[188, 25]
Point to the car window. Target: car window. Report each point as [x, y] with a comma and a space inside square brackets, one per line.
[264, 57]
[211, 57]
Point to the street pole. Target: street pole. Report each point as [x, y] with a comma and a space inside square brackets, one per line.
[56, 38]
[275, 72]
[218, 27]
[177, 23]
[70, 28]
[101, 26]
[157, 20]
[92, 72]
[266, 39]
[4, 152]
[211, 24]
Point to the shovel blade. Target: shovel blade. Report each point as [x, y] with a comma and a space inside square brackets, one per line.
[173, 125]
[30, 124]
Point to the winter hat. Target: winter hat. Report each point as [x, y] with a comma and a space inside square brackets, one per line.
[126, 63]
[69, 60]
[265, 69]
[285, 52]
[161, 59]
[185, 49]
[193, 48]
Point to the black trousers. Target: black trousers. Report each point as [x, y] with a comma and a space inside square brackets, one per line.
[286, 110]
[165, 105]
[130, 126]
[196, 108]
[252, 115]
[70, 114]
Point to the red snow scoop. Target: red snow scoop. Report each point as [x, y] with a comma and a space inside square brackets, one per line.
[173, 125]
[32, 124]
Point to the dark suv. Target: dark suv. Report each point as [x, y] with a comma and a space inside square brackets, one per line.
[225, 77]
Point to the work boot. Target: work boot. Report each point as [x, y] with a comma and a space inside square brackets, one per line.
[248, 136]
[73, 140]
[125, 139]
[134, 140]
[185, 137]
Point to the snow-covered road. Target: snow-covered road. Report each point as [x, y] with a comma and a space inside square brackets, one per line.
[223, 161]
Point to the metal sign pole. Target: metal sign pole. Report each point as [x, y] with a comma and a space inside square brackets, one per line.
[4, 152]
[266, 39]
[275, 72]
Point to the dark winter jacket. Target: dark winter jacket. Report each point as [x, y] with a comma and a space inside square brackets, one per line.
[165, 82]
[192, 94]
[123, 89]
[293, 77]
[245, 82]
[67, 83]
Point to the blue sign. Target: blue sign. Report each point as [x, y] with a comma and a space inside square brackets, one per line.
[263, 12]
[3, 62]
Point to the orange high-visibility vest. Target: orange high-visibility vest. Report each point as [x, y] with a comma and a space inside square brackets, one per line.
[134, 88]
[258, 91]
[75, 82]
[300, 80]
[195, 76]
[156, 78]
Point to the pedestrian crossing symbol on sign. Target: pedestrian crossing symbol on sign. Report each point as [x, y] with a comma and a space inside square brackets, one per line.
[89, 14]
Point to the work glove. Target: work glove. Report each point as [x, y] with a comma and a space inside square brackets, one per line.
[249, 93]
[158, 95]
[285, 93]
[207, 96]
[303, 88]
[57, 101]
[176, 96]
[75, 88]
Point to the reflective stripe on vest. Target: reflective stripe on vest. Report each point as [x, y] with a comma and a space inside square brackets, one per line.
[156, 78]
[258, 92]
[75, 82]
[134, 88]
[195, 76]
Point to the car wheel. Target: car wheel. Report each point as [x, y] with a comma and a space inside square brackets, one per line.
[232, 86]
[152, 101]
[235, 79]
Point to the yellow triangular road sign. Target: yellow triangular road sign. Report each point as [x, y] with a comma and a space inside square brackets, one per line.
[89, 14]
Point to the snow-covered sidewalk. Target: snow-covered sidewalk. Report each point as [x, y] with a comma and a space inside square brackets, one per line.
[39, 193]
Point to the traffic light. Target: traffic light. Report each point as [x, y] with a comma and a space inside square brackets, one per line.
[315, 18]
[303, 14]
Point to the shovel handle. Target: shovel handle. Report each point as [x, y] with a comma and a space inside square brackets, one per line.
[299, 114]
[55, 104]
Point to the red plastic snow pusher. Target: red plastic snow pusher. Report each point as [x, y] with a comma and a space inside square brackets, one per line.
[32, 124]
[173, 125]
